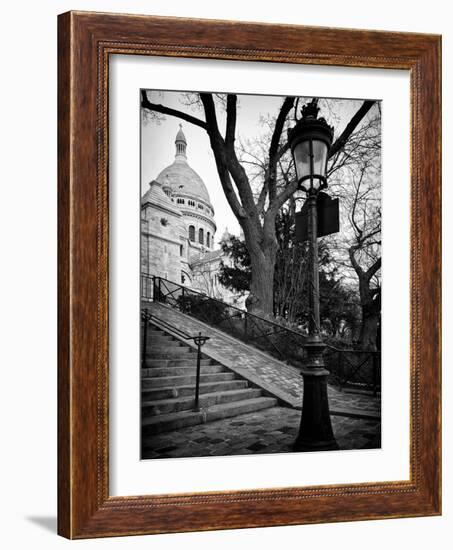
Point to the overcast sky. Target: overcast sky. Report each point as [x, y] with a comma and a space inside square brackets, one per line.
[158, 143]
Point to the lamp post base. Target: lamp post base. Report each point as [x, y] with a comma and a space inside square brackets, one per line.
[315, 433]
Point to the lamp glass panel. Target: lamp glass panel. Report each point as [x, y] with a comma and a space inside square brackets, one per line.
[301, 155]
[319, 158]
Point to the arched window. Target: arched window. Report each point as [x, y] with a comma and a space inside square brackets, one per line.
[201, 236]
[208, 239]
[192, 233]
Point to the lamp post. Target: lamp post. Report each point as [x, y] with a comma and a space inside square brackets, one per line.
[310, 140]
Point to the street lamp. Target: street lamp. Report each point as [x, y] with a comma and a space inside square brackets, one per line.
[310, 141]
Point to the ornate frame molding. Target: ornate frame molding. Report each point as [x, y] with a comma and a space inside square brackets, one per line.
[86, 40]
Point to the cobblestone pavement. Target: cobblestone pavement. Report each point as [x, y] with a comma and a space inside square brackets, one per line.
[282, 380]
[354, 401]
[269, 431]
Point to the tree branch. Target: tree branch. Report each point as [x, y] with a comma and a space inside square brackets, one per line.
[231, 120]
[352, 250]
[262, 198]
[373, 269]
[146, 104]
[351, 126]
[287, 105]
[219, 149]
[280, 199]
[227, 155]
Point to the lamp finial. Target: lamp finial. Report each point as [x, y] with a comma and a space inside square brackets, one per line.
[311, 110]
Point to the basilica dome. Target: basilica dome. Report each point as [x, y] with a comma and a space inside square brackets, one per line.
[179, 189]
[181, 179]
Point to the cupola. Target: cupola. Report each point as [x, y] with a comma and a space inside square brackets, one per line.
[181, 146]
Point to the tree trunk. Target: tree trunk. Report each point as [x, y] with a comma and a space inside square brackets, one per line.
[371, 307]
[261, 297]
[369, 327]
[370, 302]
[260, 239]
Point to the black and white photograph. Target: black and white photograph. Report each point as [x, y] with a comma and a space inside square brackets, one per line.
[260, 275]
[225, 283]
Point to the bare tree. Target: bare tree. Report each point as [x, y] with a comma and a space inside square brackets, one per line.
[364, 254]
[204, 278]
[355, 177]
[255, 214]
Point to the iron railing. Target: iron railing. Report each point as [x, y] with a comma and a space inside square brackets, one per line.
[198, 339]
[353, 368]
[277, 340]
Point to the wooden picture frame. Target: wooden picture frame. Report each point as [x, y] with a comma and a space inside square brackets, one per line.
[85, 41]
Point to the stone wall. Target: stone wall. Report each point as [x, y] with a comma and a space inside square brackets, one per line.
[161, 244]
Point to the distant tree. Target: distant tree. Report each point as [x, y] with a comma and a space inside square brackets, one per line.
[339, 308]
[203, 274]
[339, 305]
[236, 277]
[356, 180]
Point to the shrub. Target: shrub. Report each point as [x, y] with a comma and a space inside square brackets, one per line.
[203, 308]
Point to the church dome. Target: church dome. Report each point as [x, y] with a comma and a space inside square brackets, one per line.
[183, 179]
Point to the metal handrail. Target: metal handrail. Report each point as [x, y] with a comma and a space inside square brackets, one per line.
[259, 331]
[199, 340]
[350, 378]
[256, 329]
[352, 350]
[239, 310]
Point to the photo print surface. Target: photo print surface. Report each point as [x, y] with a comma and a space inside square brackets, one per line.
[260, 274]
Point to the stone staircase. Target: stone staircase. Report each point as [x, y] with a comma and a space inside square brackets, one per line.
[168, 387]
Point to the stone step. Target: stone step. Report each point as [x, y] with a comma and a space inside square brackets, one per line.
[159, 344]
[158, 332]
[162, 336]
[169, 353]
[169, 381]
[151, 363]
[183, 419]
[169, 356]
[181, 371]
[188, 390]
[165, 406]
[159, 335]
[173, 348]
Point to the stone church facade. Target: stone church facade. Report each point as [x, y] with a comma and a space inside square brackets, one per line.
[178, 230]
